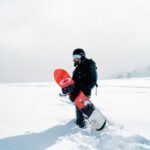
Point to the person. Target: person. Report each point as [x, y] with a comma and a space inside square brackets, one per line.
[85, 77]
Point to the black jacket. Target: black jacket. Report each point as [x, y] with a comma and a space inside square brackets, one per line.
[85, 77]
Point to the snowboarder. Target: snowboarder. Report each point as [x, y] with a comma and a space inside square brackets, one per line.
[85, 77]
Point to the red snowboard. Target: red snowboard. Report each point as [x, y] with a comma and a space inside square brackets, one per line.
[95, 117]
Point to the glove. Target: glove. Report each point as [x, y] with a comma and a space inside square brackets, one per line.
[74, 93]
[67, 90]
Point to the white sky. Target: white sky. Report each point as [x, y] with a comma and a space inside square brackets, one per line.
[38, 36]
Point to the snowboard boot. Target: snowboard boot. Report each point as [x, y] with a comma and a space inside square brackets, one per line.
[80, 123]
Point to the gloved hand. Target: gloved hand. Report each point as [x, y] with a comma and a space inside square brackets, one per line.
[74, 93]
[67, 90]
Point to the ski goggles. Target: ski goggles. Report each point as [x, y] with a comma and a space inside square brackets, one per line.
[76, 56]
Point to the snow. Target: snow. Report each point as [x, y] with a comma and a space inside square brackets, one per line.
[34, 117]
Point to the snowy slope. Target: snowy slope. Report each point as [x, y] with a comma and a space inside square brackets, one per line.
[34, 117]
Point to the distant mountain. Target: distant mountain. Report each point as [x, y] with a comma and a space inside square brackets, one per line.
[143, 72]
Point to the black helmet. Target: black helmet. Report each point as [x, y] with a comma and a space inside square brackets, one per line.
[79, 51]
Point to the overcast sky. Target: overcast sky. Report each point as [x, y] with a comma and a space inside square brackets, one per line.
[38, 36]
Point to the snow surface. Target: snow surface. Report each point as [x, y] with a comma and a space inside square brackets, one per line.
[34, 117]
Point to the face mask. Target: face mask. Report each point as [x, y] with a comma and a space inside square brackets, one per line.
[76, 62]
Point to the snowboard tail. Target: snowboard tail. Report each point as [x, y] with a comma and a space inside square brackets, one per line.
[90, 112]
